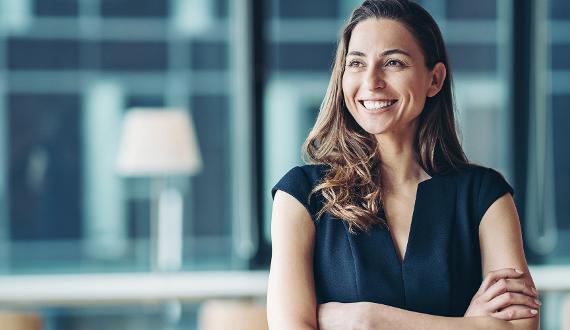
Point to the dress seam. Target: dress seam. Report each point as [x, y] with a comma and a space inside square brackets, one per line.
[403, 285]
[353, 265]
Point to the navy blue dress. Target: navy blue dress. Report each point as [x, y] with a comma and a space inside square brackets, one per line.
[441, 270]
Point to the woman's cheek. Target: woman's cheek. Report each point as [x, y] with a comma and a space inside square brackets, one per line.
[349, 81]
[349, 88]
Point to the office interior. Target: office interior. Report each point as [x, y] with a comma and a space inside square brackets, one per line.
[92, 237]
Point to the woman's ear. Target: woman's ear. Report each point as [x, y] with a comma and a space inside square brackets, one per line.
[438, 74]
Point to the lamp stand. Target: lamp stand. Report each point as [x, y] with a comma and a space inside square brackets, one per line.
[166, 227]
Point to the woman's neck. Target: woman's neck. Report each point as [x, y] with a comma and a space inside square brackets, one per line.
[399, 164]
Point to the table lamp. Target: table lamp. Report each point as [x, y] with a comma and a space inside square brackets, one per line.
[159, 143]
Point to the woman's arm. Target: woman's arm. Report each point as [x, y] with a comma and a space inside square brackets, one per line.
[291, 301]
[502, 311]
[378, 316]
[501, 247]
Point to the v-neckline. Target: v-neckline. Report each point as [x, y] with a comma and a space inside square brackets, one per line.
[402, 259]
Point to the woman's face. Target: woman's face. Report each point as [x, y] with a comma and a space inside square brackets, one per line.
[385, 81]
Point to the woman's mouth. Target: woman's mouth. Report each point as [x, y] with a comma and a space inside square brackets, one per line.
[377, 105]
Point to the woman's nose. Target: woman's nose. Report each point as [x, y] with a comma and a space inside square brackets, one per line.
[374, 79]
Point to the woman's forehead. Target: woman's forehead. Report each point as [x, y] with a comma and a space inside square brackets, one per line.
[377, 35]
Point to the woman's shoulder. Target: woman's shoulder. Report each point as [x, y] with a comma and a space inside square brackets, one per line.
[479, 184]
[474, 174]
[304, 177]
[314, 172]
[299, 183]
[309, 174]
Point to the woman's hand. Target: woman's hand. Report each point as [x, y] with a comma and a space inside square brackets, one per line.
[341, 316]
[503, 294]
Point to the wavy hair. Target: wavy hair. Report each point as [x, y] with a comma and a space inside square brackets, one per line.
[352, 187]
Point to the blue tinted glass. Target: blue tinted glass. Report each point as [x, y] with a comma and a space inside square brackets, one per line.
[134, 56]
[26, 54]
[211, 119]
[308, 9]
[466, 9]
[209, 55]
[56, 7]
[560, 57]
[45, 172]
[221, 8]
[473, 57]
[561, 122]
[145, 101]
[134, 8]
[309, 57]
[560, 9]
[139, 217]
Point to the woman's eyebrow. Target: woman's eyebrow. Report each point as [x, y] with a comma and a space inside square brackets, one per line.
[395, 51]
[384, 53]
[357, 53]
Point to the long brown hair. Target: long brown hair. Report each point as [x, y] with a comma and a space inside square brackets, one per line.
[352, 186]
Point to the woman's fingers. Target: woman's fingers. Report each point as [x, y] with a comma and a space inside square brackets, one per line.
[505, 294]
[515, 312]
[495, 275]
[508, 285]
[511, 298]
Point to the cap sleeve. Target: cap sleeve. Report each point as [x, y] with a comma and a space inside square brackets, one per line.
[297, 184]
[493, 186]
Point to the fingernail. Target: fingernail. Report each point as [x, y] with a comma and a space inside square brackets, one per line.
[534, 290]
[533, 311]
[537, 302]
[519, 271]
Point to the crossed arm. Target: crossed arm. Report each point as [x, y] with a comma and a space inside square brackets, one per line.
[505, 299]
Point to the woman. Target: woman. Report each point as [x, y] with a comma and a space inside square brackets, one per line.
[391, 227]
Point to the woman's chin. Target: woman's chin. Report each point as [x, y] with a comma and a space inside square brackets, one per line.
[374, 129]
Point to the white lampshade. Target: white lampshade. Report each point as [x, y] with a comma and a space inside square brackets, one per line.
[158, 142]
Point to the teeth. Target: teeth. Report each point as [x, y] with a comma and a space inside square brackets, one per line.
[373, 105]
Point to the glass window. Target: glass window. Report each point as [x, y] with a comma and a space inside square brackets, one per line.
[65, 208]
[56, 8]
[57, 54]
[134, 8]
[209, 55]
[45, 167]
[473, 58]
[126, 56]
[295, 9]
[547, 225]
[466, 10]
[302, 57]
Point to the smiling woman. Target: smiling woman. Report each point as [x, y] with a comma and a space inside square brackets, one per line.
[390, 226]
[383, 80]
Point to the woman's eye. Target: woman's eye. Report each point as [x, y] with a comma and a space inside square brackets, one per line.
[355, 64]
[394, 63]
